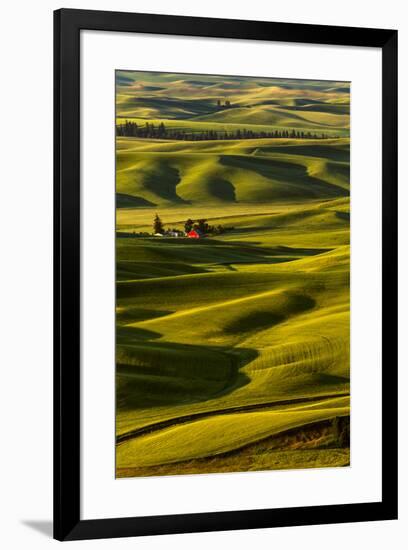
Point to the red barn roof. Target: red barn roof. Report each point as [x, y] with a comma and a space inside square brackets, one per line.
[194, 234]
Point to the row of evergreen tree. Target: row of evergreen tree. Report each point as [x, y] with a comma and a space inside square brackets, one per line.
[149, 130]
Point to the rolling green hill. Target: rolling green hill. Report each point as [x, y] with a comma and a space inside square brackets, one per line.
[250, 172]
[252, 101]
[232, 350]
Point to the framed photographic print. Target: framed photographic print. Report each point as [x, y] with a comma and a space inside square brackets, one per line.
[225, 274]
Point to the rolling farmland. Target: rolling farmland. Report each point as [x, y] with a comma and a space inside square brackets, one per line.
[232, 349]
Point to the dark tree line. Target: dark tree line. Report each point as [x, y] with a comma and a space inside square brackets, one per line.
[149, 130]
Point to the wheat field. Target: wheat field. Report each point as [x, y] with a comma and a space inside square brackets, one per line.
[232, 349]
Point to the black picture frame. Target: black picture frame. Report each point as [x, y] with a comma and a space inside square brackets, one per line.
[67, 26]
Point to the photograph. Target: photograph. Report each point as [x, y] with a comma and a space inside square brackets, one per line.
[232, 273]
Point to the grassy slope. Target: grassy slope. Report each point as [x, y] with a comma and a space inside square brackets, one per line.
[252, 171]
[259, 315]
[190, 102]
[205, 438]
[226, 345]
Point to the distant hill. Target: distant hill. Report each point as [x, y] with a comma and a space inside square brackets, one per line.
[253, 101]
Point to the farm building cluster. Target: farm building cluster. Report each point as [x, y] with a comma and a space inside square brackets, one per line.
[192, 230]
[193, 234]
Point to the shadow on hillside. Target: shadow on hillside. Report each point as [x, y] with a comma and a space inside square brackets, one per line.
[328, 152]
[328, 379]
[132, 201]
[163, 181]
[343, 216]
[263, 252]
[137, 314]
[259, 320]
[152, 374]
[294, 177]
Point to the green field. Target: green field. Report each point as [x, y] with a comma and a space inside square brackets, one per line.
[232, 350]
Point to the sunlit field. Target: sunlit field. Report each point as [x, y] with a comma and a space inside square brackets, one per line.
[232, 348]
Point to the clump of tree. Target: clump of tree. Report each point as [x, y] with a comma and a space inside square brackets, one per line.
[188, 225]
[204, 227]
[201, 225]
[160, 131]
[158, 226]
[226, 105]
